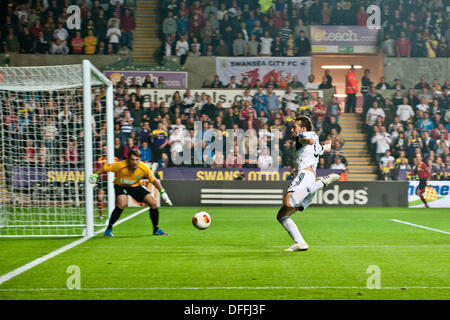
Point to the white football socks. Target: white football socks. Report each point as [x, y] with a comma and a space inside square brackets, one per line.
[292, 229]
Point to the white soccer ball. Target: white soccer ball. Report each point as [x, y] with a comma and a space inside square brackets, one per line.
[201, 220]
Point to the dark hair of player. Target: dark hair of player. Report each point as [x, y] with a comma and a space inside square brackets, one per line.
[306, 122]
[134, 152]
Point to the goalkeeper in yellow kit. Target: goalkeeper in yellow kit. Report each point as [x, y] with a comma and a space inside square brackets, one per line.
[127, 182]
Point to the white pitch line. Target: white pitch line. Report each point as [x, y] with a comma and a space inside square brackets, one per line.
[259, 247]
[34, 263]
[219, 288]
[419, 226]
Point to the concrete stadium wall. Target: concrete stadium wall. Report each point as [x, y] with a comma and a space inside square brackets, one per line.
[21, 60]
[409, 70]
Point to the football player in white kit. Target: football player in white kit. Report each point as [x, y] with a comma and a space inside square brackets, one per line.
[302, 189]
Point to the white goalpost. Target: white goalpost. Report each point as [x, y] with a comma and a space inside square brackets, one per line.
[56, 127]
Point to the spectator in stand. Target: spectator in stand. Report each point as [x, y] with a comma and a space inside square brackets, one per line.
[127, 26]
[216, 83]
[428, 144]
[90, 43]
[422, 84]
[252, 46]
[387, 158]
[126, 125]
[265, 160]
[59, 47]
[311, 85]
[338, 165]
[320, 110]
[424, 124]
[60, 34]
[130, 145]
[160, 142]
[443, 48]
[266, 45]
[146, 152]
[260, 102]
[77, 43]
[182, 49]
[222, 49]
[383, 85]
[169, 24]
[239, 46]
[273, 102]
[373, 115]
[382, 141]
[303, 45]
[334, 137]
[372, 96]
[290, 100]
[414, 142]
[418, 47]
[41, 44]
[295, 83]
[114, 36]
[403, 45]
[278, 48]
[26, 41]
[271, 83]
[233, 84]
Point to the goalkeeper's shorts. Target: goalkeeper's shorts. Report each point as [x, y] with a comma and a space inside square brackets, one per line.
[137, 193]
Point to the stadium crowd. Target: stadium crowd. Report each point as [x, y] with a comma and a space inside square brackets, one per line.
[239, 28]
[46, 27]
[160, 131]
[409, 126]
[412, 124]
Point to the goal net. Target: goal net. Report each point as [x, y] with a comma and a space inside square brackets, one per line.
[53, 130]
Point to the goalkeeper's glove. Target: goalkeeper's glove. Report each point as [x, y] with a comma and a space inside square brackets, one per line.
[93, 179]
[165, 197]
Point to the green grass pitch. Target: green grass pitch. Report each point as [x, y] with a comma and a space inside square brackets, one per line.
[241, 257]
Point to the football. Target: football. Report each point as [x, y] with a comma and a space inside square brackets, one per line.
[201, 220]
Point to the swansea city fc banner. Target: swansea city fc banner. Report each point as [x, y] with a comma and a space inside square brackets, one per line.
[254, 68]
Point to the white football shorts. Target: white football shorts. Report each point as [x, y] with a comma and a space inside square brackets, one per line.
[303, 179]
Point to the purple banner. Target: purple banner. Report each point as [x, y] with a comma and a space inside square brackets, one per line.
[344, 39]
[173, 80]
[220, 174]
[28, 177]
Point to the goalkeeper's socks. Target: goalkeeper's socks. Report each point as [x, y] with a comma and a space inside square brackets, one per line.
[154, 217]
[115, 215]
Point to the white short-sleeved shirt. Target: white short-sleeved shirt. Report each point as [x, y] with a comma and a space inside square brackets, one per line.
[182, 48]
[266, 44]
[373, 114]
[308, 155]
[113, 38]
[405, 111]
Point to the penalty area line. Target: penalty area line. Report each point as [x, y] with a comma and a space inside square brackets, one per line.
[34, 263]
[419, 226]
